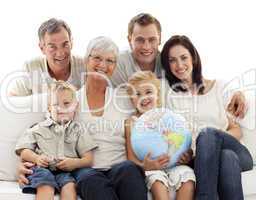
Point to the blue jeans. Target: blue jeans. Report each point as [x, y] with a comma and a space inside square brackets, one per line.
[43, 176]
[219, 161]
[124, 181]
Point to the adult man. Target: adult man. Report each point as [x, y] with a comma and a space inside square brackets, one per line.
[144, 36]
[55, 42]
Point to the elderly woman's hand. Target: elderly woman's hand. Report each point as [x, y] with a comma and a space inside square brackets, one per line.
[23, 170]
[237, 106]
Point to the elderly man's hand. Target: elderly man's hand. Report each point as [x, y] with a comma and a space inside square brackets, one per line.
[23, 170]
[237, 106]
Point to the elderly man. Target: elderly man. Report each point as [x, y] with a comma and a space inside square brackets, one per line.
[55, 42]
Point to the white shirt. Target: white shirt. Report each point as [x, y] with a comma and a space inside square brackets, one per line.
[37, 79]
[200, 111]
[106, 130]
[127, 66]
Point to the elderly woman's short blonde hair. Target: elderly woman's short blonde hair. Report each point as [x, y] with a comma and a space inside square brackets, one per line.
[142, 77]
[102, 44]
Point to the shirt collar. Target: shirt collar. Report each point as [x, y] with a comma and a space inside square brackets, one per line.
[47, 75]
[50, 122]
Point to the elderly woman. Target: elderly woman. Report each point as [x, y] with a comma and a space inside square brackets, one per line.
[112, 176]
[220, 157]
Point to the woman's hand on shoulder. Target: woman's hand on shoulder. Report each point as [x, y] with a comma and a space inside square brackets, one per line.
[237, 106]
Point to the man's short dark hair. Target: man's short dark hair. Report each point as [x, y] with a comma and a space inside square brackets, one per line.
[51, 26]
[143, 19]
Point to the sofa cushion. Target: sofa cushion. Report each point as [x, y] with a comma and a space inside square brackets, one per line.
[11, 190]
[248, 124]
[248, 182]
[14, 120]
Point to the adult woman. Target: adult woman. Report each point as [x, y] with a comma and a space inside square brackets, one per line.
[220, 157]
[112, 176]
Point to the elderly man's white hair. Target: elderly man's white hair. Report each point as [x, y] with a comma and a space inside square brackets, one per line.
[102, 44]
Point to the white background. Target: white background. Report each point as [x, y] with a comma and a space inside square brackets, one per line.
[223, 31]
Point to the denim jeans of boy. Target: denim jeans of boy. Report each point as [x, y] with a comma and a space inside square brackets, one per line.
[219, 161]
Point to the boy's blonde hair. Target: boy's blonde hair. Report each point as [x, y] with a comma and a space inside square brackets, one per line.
[142, 76]
[60, 86]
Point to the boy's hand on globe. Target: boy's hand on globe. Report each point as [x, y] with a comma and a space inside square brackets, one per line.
[185, 158]
[156, 164]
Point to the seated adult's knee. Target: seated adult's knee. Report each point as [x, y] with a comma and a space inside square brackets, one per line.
[207, 138]
[207, 133]
[123, 165]
[92, 182]
[89, 179]
[246, 160]
[129, 168]
[93, 185]
[230, 170]
[229, 158]
[83, 174]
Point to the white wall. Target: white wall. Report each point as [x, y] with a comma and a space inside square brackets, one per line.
[222, 31]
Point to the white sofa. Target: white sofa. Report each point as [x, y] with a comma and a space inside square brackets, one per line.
[18, 113]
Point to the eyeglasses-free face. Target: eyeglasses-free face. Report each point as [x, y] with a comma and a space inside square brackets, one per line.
[57, 49]
[144, 42]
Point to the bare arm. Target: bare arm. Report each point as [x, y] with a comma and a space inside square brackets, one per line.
[234, 129]
[147, 163]
[85, 161]
[69, 164]
[129, 152]
[10, 94]
[20, 86]
[28, 155]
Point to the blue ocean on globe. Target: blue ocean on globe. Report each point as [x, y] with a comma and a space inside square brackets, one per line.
[160, 131]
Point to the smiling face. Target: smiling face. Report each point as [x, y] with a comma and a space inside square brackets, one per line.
[144, 42]
[57, 49]
[63, 106]
[101, 65]
[144, 96]
[181, 63]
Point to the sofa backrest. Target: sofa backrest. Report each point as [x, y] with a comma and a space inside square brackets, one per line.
[16, 114]
[248, 124]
